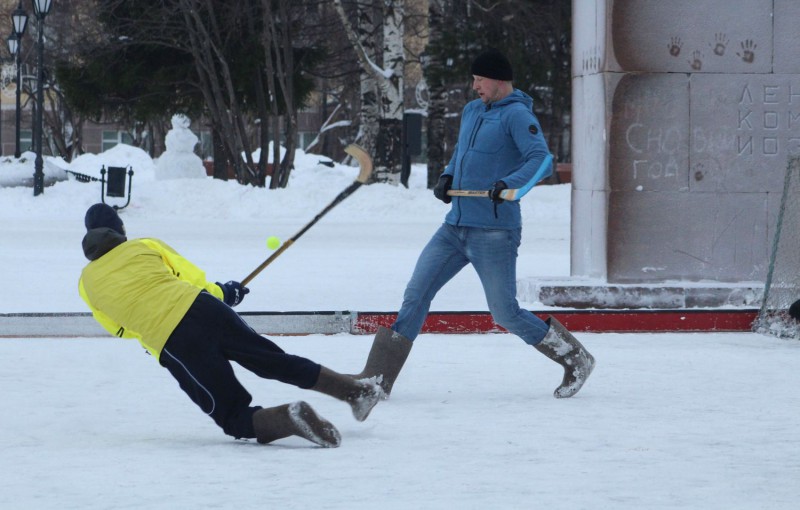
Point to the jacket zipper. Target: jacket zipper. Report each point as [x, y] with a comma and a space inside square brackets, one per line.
[461, 164]
[475, 133]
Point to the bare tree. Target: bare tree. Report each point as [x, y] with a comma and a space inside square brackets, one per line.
[240, 89]
[277, 40]
[437, 91]
[205, 40]
[63, 128]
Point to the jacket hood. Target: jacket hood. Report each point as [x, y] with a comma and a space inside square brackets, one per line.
[517, 96]
[99, 241]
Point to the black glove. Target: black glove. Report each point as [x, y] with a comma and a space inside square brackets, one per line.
[233, 292]
[442, 187]
[494, 192]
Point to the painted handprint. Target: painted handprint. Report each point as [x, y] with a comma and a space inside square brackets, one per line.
[721, 44]
[697, 60]
[674, 46]
[748, 51]
[589, 61]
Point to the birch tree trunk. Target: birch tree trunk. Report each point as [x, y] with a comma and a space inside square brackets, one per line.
[370, 111]
[388, 148]
[389, 78]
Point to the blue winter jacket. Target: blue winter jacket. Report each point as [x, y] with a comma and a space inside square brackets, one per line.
[496, 141]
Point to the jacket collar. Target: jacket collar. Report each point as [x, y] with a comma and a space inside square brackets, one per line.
[516, 96]
[99, 241]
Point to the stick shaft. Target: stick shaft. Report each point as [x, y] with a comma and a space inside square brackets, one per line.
[508, 194]
[365, 162]
[467, 193]
[341, 196]
[267, 262]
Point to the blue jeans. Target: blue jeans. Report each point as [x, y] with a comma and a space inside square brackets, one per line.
[493, 254]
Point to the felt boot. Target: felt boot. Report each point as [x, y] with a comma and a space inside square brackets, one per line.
[560, 346]
[360, 394]
[295, 419]
[386, 358]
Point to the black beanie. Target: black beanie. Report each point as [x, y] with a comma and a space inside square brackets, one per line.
[794, 310]
[103, 215]
[492, 64]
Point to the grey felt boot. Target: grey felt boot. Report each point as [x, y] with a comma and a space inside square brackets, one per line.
[560, 346]
[295, 419]
[386, 358]
[361, 395]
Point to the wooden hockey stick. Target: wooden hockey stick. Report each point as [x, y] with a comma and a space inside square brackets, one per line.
[509, 194]
[365, 165]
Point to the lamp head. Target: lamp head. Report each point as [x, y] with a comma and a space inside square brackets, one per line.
[19, 19]
[13, 43]
[41, 7]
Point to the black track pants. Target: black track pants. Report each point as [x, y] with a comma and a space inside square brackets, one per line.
[199, 352]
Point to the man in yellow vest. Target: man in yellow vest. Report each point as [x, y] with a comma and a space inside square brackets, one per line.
[143, 289]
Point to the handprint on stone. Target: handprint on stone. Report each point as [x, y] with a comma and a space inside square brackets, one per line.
[748, 51]
[721, 44]
[697, 60]
[674, 46]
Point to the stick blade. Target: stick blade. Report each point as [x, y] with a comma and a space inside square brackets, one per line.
[364, 161]
[509, 194]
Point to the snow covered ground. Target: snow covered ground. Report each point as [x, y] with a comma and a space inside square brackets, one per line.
[369, 241]
[677, 421]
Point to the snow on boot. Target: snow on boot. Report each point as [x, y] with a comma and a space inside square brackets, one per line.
[295, 419]
[362, 395]
[386, 358]
[560, 346]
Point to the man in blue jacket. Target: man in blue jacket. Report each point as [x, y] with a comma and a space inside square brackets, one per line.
[500, 146]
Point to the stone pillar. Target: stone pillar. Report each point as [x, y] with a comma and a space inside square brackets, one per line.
[684, 114]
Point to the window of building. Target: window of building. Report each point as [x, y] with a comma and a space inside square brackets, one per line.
[114, 138]
[304, 138]
[26, 140]
[205, 148]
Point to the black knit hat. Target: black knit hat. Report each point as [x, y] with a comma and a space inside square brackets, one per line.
[794, 310]
[492, 64]
[103, 215]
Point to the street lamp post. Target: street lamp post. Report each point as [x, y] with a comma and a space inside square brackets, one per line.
[40, 8]
[19, 20]
[13, 47]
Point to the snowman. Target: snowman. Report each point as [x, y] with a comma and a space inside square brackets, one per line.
[179, 160]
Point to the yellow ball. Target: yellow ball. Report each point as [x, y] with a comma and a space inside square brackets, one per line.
[273, 243]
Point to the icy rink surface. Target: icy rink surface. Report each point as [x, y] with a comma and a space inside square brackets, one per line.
[678, 421]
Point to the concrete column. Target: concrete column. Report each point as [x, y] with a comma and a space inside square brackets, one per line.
[684, 115]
